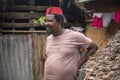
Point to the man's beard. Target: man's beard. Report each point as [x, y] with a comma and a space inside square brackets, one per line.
[48, 31]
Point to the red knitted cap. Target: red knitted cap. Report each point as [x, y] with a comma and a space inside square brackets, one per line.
[54, 10]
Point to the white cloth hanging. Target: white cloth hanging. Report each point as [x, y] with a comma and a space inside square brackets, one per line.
[107, 17]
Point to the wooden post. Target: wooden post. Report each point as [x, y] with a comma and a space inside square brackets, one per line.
[13, 21]
[32, 3]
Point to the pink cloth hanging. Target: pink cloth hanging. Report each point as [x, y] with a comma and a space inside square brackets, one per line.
[117, 16]
[97, 22]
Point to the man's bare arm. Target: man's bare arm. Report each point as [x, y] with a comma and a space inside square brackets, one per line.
[90, 51]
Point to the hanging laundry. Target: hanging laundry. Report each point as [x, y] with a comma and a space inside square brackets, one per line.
[117, 16]
[97, 21]
[107, 17]
[99, 15]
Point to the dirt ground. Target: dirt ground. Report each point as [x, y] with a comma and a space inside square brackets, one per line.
[101, 36]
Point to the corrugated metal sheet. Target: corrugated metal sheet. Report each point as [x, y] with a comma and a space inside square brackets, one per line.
[16, 58]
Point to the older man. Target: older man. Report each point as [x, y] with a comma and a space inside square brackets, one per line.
[63, 48]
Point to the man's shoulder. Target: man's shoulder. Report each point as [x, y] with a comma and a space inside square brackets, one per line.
[74, 32]
[70, 31]
[49, 37]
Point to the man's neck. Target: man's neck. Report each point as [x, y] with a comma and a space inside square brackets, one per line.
[59, 32]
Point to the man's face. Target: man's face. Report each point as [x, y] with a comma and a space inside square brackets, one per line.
[50, 23]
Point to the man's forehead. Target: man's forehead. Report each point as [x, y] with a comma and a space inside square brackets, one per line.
[49, 16]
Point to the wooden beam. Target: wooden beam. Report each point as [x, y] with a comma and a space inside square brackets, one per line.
[21, 31]
[19, 25]
[26, 8]
[22, 15]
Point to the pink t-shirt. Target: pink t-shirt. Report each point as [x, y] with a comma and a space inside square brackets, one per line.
[63, 55]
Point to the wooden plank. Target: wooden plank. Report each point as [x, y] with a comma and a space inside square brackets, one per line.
[26, 8]
[21, 31]
[38, 50]
[19, 25]
[22, 15]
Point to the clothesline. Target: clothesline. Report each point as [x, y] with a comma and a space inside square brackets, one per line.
[102, 20]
